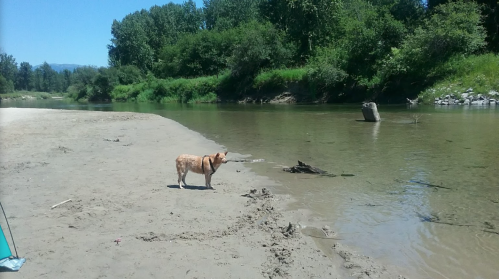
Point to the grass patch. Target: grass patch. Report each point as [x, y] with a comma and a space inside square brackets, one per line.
[279, 78]
[478, 72]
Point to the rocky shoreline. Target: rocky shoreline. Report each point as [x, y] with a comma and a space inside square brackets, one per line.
[469, 98]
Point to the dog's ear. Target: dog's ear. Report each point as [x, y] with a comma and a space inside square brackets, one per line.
[218, 155]
[226, 152]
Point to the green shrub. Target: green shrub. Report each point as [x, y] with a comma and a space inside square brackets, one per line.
[169, 90]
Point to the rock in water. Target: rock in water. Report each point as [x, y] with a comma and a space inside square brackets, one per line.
[370, 112]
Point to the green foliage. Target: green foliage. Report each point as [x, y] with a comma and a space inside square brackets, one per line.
[327, 68]
[276, 79]
[348, 50]
[50, 81]
[168, 90]
[8, 67]
[370, 33]
[129, 74]
[139, 37]
[228, 14]
[200, 54]
[310, 23]
[261, 46]
[6, 86]
[82, 82]
[481, 73]
[130, 43]
[8, 72]
[452, 29]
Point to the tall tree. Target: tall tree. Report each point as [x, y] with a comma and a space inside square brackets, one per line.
[8, 67]
[490, 18]
[25, 76]
[129, 45]
[227, 14]
[38, 79]
[139, 37]
[50, 83]
[66, 77]
[311, 23]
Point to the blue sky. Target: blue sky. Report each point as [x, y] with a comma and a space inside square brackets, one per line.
[64, 31]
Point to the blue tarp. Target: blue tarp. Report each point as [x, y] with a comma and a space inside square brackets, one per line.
[12, 264]
[4, 246]
[6, 259]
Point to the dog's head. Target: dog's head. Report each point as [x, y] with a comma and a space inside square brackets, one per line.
[220, 158]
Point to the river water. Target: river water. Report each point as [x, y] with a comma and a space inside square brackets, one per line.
[424, 196]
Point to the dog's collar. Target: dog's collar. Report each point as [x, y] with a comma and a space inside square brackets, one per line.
[211, 164]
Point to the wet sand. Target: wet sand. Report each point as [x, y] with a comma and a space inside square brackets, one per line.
[118, 169]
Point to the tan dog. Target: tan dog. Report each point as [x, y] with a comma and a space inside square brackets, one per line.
[206, 165]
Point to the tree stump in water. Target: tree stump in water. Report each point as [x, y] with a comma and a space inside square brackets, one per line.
[370, 112]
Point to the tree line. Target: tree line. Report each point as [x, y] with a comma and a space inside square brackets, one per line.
[87, 82]
[346, 49]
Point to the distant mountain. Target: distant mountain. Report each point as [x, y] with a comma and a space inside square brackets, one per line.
[61, 67]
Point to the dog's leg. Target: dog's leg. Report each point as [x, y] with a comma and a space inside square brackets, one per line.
[207, 178]
[183, 177]
[180, 177]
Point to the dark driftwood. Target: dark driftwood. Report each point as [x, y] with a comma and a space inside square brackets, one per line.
[429, 185]
[304, 168]
[435, 219]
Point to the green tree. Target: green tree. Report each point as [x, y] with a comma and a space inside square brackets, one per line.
[66, 79]
[139, 37]
[130, 43]
[203, 53]
[82, 82]
[369, 34]
[25, 76]
[453, 29]
[228, 14]
[38, 80]
[129, 74]
[261, 47]
[8, 67]
[311, 23]
[102, 84]
[489, 10]
[6, 86]
[50, 82]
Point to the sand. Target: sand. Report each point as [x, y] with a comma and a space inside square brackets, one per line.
[118, 169]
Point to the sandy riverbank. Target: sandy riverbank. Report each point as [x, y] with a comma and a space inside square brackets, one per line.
[118, 169]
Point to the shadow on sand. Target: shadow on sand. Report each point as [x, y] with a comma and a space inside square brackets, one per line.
[188, 187]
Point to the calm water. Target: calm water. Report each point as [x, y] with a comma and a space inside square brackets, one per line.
[431, 232]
